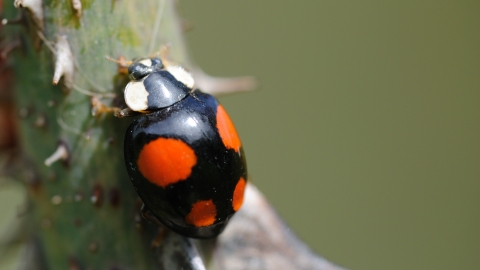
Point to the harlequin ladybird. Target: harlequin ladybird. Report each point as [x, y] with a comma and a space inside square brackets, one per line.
[183, 154]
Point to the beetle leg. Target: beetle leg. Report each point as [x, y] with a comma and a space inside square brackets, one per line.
[162, 231]
[126, 113]
[146, 214]
[98, 107]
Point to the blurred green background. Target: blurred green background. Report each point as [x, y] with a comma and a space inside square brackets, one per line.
[365, 134]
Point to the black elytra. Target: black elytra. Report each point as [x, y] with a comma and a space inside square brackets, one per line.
[216, 172]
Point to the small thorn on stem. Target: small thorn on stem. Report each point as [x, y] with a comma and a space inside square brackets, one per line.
[36, 10]
[77, 7]
[17, 20]
[64, 64]
[60, 154]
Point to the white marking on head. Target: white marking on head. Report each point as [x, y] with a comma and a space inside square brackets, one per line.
[136, 96]
[147, 62]
[181, 75]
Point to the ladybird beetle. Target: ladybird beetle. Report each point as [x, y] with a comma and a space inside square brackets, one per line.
[183, 154]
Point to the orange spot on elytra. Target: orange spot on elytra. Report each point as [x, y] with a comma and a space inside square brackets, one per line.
[237, 200]
[227, 130]
[166, 161]
[202, 214]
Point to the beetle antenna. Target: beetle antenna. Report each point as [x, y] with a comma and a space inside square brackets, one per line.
[121, 62]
